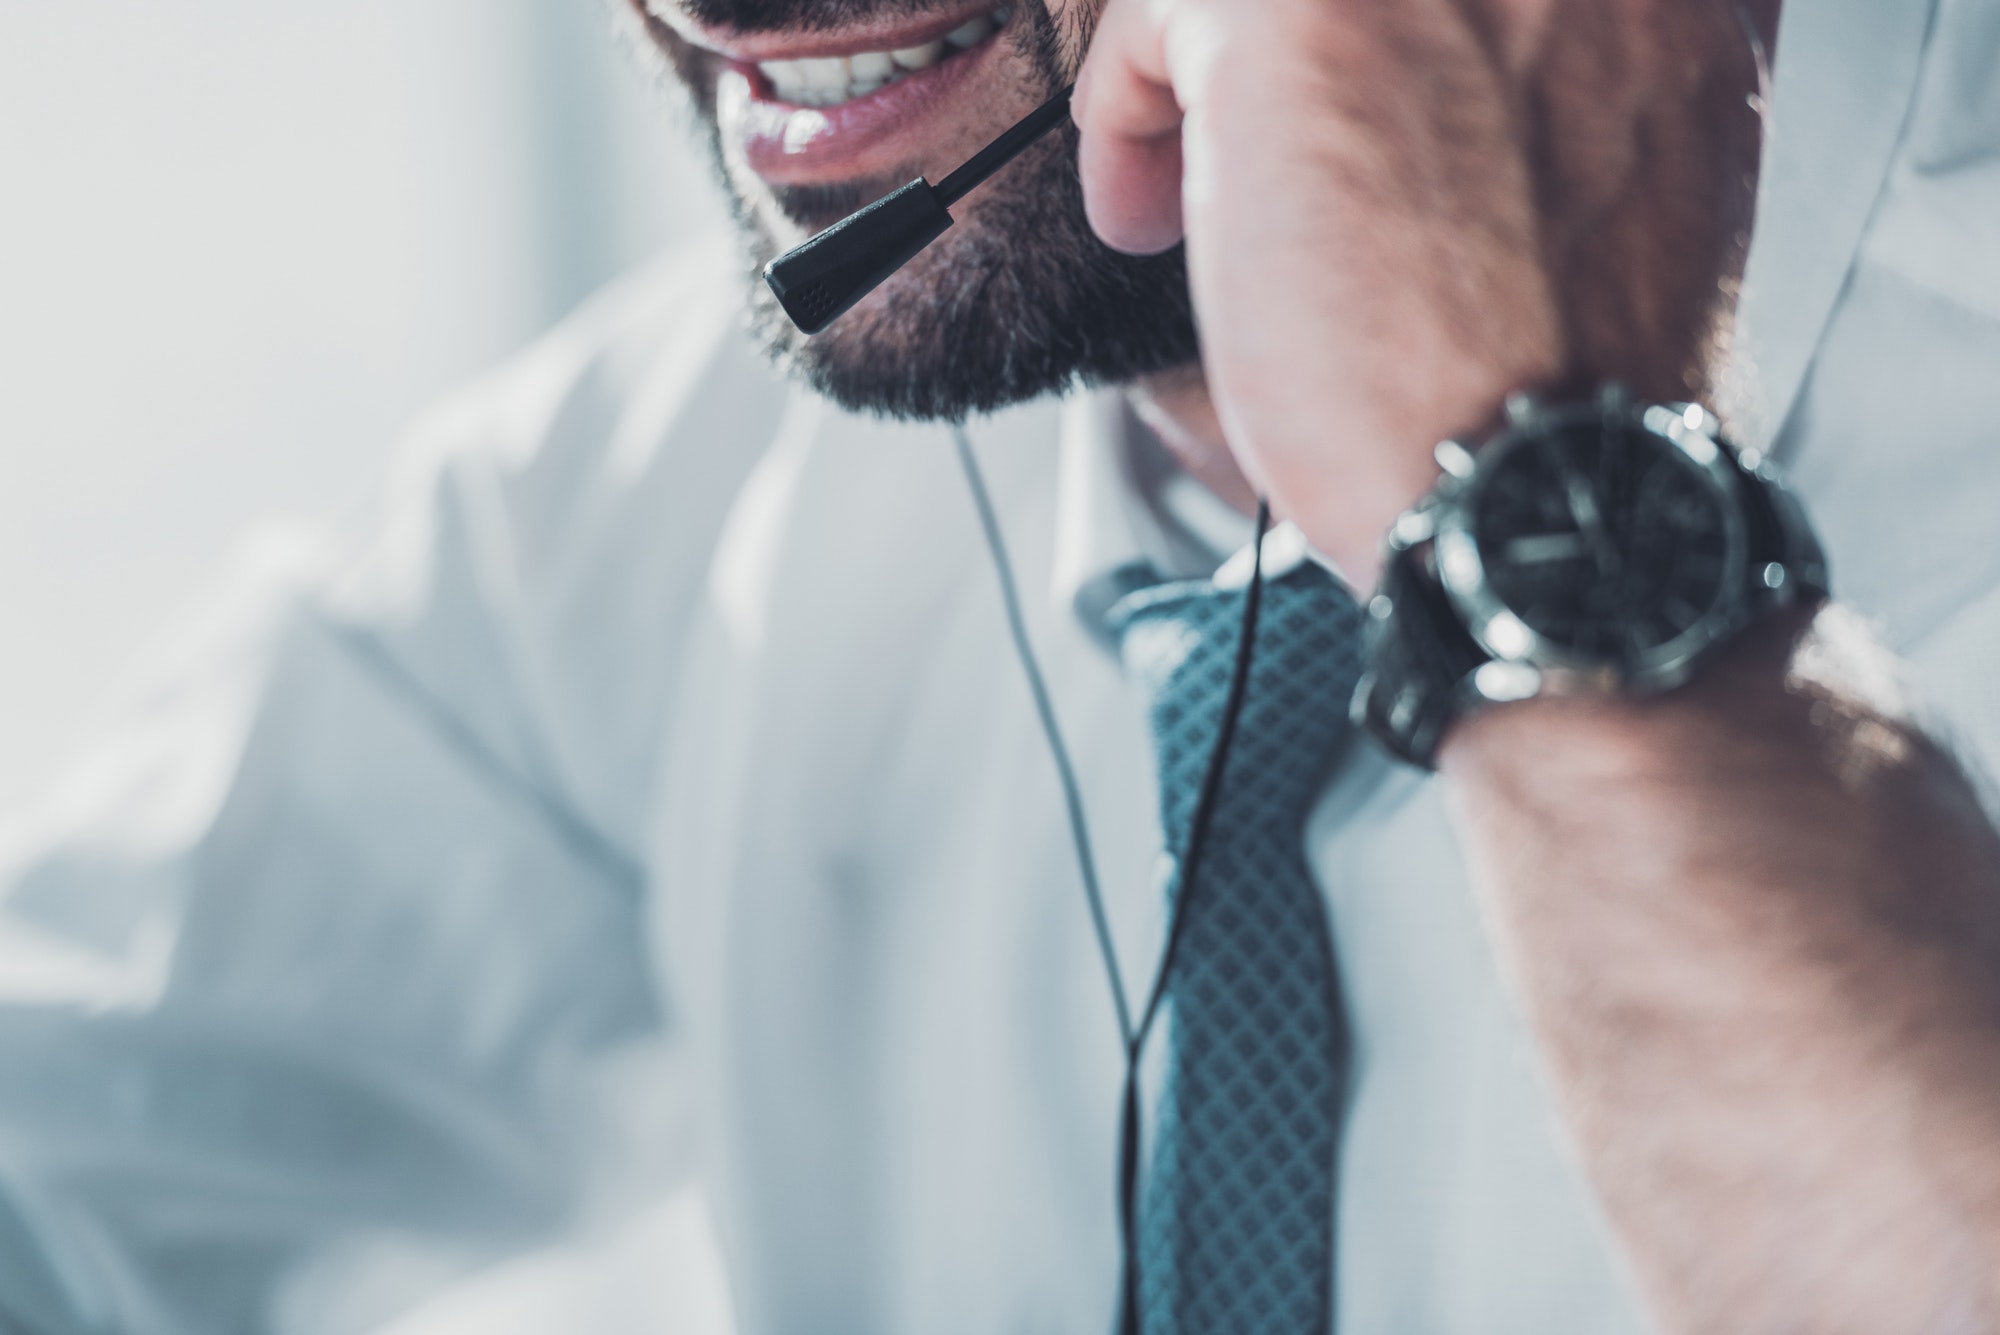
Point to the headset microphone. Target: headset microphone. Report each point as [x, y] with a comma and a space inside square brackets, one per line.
[820, 281]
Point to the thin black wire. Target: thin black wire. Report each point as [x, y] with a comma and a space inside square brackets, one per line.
[1010, 596]
[1011, 143]
[1197, 844]
[1211, 783]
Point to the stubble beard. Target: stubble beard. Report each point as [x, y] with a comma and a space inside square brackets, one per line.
[1018, 300]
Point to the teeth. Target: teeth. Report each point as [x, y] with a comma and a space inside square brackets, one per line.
[825, 75]
[919, 57]
[872, 65]
[826, 81]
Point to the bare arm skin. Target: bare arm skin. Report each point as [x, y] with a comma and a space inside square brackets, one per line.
[1755, 924]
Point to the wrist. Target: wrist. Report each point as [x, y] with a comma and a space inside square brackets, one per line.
[1348, 513]
[1745, 726]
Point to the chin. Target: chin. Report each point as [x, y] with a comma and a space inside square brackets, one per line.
[1019, 299]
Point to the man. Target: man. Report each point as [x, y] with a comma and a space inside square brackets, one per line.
[657, 802]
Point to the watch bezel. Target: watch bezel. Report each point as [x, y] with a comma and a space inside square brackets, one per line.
[1507, 636]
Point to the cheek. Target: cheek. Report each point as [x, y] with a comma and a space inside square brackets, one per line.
[1074, 21]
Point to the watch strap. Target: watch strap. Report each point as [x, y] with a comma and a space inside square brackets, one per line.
[1419, 652]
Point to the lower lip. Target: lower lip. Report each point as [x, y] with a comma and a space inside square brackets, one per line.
[882, 131]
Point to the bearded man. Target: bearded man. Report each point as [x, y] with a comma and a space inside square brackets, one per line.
[659, 803]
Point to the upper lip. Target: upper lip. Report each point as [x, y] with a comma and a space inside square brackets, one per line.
[750, 48]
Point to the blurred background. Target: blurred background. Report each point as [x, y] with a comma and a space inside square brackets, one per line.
[242, 244]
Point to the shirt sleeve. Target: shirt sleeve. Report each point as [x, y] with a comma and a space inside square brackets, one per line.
[327, 978]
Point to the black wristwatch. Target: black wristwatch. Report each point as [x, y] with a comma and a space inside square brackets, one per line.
[1588, 546]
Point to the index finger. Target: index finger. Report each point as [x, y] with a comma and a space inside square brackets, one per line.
[1129, 122]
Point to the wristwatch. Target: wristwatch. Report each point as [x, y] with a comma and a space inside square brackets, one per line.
[1601, 545]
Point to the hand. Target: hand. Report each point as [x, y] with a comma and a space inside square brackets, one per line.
[1396, 214]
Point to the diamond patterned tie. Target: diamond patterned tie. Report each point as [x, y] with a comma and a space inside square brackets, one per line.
[1235, 1224]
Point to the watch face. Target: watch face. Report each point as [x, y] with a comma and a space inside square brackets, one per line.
[1608, 541]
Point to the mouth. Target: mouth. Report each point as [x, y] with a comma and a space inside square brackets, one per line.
[834, 80]
[871, 102]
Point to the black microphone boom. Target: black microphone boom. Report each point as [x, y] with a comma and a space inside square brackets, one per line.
[820, 281]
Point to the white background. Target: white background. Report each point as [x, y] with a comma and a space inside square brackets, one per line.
[242, 244]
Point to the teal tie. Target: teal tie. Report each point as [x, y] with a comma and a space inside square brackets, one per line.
[1235, 1213]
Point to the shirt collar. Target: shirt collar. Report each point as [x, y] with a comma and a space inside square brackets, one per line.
[1846, 73]
[1127, 516]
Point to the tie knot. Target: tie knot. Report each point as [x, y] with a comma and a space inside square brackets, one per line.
[1179, 641]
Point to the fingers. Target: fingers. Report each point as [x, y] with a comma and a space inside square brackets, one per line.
[1132, 191]
[1130, 127]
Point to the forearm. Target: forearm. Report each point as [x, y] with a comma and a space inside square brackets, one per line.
[1757, 939]
[1756, 925]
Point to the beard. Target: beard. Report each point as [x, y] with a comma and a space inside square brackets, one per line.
[1018, 300]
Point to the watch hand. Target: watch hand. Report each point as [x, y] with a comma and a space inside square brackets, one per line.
[1583, 505]
[1541, 548]
[1583, 508]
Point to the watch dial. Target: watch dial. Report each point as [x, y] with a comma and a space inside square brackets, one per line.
[1604, 538]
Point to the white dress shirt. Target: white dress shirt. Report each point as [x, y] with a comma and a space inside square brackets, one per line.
[656, 802]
